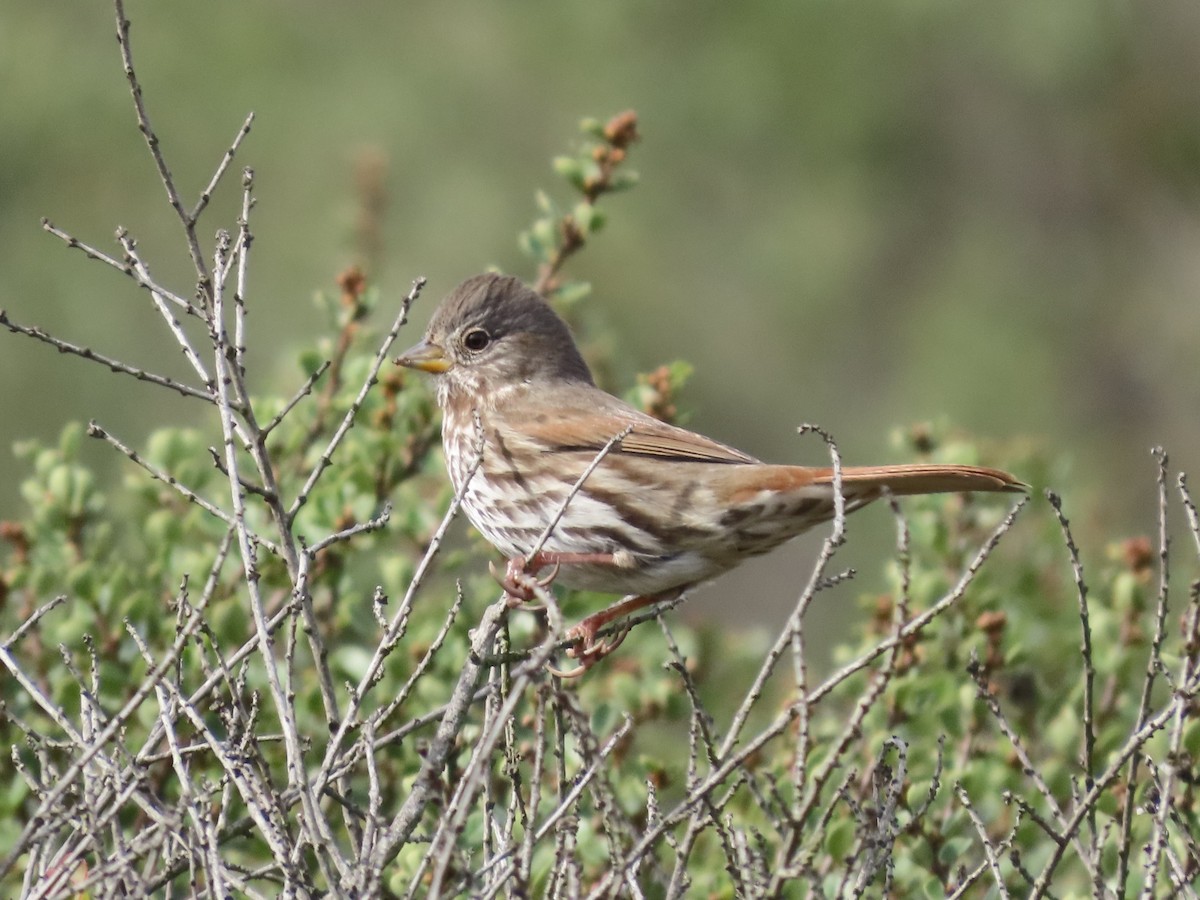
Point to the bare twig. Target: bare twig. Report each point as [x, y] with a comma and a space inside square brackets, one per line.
[348, 419]
[152, 142]
[139, 275]
[304, 391]
[108, 362]
[1152, 663]
[1089, 673]
[205, 195]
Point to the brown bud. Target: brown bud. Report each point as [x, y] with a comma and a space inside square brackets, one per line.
[621, 130]
[922, 438]
[991, 622]
[15, 535]
[353, 282]
[1138, 554]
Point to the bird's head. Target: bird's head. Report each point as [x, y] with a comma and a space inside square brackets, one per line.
[493, 332]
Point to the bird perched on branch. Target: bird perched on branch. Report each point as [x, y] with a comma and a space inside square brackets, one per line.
[663, 508]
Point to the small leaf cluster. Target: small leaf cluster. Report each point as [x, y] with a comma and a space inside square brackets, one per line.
[597, 168]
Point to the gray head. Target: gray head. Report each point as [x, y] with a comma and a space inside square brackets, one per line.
[492, 330]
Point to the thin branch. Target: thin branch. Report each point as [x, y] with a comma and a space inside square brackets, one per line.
[391, 636]
[96, 431]
[304, 391]
[152, 142]
[991, 852]
[108, 362]
[347, 422]
[98, 742]
[1089, 668]
[160, 303]
[920, 622]
[372, 524]
[1152, 662]
[141, 278]
[783, 721]
[579, 784]
[206, 194]
[1120, 758]
[33, 621]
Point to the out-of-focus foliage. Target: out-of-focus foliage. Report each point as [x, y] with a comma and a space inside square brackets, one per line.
[866, 780]
[856, 214]
[118, 556]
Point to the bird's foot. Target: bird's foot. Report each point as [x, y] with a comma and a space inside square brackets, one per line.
[588, 650]
[519, 579]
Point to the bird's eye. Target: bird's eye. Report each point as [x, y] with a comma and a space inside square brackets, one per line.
[476, 339]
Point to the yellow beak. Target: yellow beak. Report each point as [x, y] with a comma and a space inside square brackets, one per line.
[425, 356]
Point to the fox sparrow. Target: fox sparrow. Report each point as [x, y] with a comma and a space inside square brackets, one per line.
[664, 510]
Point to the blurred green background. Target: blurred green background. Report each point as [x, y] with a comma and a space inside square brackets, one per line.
[861, 215]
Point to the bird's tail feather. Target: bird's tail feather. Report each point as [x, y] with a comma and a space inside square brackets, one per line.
[922, 478]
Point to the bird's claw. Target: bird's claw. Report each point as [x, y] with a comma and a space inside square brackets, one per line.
[521, 585]
[546, 580]
[518, 582]
[587, 650]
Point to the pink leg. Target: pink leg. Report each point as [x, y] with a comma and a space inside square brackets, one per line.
[587, 650]
[521, 585]
[518, 581]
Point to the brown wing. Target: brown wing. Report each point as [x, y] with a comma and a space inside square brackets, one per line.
[656, 438]
[586, 418]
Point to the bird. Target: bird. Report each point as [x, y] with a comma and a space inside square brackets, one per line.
[662, 510]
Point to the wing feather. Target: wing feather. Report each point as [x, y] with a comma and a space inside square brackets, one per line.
[572, 425]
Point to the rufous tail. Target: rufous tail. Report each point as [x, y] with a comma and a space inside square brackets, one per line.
[923, 478]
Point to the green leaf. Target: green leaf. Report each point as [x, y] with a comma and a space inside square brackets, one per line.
[622, 180]
[592, 128]
[572, 169]
[588, 218]
[839, 839]
[572, 292]
[543, 202]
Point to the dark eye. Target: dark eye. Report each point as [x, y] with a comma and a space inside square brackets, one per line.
[476, 339]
